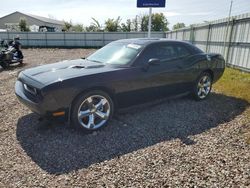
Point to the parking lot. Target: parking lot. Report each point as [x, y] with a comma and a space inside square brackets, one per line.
[168, 143]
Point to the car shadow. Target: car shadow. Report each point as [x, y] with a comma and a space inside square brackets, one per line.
[59, 149]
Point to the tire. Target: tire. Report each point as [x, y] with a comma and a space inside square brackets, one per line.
[203, 86]
[3, 65]
[92, 111]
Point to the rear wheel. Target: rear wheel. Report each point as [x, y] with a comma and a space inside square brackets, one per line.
[92, 111]
[203, 86]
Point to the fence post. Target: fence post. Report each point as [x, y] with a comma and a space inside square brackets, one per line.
[46, 40]
[190, 35]
[183, 34]
[208, 37]
[8, 35]
[230, 41]
[85, 37]
[64, 41]
[27, 38]
[103, 38]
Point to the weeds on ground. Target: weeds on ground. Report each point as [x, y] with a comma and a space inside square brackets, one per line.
[237, 84]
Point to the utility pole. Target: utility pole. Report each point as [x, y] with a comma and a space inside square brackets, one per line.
[229, 18]
[149, 22]
[150, 4]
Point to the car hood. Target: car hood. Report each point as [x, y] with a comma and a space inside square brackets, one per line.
[66, 69]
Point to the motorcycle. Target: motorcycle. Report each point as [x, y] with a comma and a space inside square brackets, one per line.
[10, 53]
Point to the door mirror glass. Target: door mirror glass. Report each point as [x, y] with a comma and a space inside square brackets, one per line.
[154, 61]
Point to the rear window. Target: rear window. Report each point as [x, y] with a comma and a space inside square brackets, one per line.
[193, 48]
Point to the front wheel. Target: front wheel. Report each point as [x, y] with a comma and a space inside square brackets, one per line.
[203, 86]
[92, 110]
[3, 65]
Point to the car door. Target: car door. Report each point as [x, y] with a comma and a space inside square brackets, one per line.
[170, 76]
[139, 84]
[147, 82]
[178, 68]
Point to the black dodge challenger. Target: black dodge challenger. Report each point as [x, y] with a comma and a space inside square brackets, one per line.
[125, 72]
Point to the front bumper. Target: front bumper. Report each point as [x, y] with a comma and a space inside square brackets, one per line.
[44, 106]
[36, 107]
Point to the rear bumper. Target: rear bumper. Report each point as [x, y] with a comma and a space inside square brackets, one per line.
[218, 73]
[220, 68]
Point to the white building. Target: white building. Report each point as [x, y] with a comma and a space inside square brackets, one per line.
[36, 23]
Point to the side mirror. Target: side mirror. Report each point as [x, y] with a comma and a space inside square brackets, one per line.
[151, 62]
[154, 61]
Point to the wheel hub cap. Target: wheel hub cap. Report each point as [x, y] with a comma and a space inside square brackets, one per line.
[94, 112]
[204, 86]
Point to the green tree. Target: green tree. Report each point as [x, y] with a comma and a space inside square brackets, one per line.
[77, 28]
[159, 22]
[23, 25]
[144, 22]
[90, 28]
[96, 24]
[67, 26]
[135, 24]
[112, 25]
[179, 26]
[126, 27]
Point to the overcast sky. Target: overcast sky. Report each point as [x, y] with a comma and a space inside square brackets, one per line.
[81, 11]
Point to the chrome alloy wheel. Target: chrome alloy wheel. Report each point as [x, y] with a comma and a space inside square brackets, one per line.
[94, 112]
[204, 86]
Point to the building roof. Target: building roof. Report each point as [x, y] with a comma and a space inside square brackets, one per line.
[47, 20]
[43, 19]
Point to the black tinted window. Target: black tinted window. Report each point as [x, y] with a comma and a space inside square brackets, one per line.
[182, 51]
[165, 52]
[159, 51]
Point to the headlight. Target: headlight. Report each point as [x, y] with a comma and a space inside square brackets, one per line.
[30, 89]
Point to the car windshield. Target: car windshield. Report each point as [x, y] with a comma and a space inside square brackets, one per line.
[116, 53]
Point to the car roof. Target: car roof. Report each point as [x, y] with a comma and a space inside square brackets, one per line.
[147, 41]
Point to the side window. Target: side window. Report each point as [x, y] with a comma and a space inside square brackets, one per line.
[182, 51]
[149, 53]
[160, 51]
[166, 52]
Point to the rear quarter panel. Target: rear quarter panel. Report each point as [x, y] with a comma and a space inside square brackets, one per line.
[216, 63]
[208, 62]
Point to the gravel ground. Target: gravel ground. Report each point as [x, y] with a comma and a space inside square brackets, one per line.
[168, 143]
